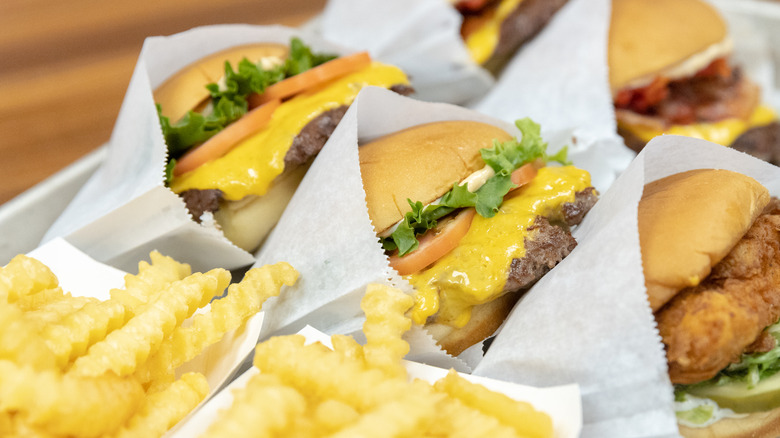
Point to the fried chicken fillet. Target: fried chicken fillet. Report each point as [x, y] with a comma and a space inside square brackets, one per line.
[707, 327]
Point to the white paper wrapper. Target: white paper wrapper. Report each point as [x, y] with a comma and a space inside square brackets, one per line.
[562, 403]
[588, 320]
[124, 210]
[83, 276]
[420, 36]
[325, 233]
[560, 78]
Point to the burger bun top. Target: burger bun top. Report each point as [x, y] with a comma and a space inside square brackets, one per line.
[648, 36]
[420, 163]
[186, 89]
[688, 222]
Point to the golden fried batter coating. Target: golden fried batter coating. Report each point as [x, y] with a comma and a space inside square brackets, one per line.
[707, 327]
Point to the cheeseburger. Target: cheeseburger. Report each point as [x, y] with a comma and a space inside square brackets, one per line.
[710, 244]
[670, 73]
[493, 30]
[471, 217]
[243, 125]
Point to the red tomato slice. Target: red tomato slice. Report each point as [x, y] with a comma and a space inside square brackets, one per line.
[225, 140]
[523, 175]
[435, 243]
[311, 78]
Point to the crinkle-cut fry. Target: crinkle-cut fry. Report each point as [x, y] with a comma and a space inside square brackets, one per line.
[226, 314]
[38, 300]
[161, 382]
[151, 279]
[265, 407]
[124, 349]
[74, 334]
[332, 415]
[162, 410]
[19, 428]
[347, 379]
[19, 341]
[456, 420]
[7, 423]
[385, 324]
[23, 276]
[347, 346]
[521, 416]
[404, 417]
[54, 312]
[68, 404]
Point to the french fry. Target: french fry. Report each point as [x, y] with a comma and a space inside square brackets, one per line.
[69, 366]
[348, 381]
[163, 409]
[226, 314]
[348, 347]
[23, 276]
[19, 342]
[385, 324]
[124, 349]
[72, 336]
[520, 416]
[456, 420]
[39, 300]
[280, 406]
[150, 281]
[358, 391]
[54, 312]
[332, 415]
[60, 403]
[403, 417]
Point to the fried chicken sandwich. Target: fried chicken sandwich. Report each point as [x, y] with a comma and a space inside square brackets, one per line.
[710, 244]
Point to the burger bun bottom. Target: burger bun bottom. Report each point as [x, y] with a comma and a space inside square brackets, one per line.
[248, 221]
[485, 320]
[755, 425]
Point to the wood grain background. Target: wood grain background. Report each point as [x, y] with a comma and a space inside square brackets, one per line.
[64, 67]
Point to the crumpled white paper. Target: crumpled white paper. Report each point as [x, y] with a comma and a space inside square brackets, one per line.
[124, 211]
[561, 403]
[420, 36]
[588, 320]
[560, 78]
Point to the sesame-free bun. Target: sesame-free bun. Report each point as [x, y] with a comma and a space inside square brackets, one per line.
[688, 222]
[420, 163]
[186, 89]
[485, 319]
[647, 37]
[755, 425]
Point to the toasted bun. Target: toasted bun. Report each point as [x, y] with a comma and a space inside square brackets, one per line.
[485, 320]
[420, 163]
[688, 222]
[755, 425]
[649, 36]
[186, 89]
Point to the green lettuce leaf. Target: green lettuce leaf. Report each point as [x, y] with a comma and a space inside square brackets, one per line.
[503, 158]
[698, 415]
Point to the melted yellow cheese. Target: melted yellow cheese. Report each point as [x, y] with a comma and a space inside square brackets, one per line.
[251, 167]
[475, 272]
[722, 132]
[482, 42]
